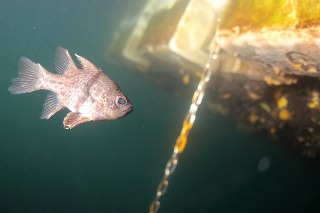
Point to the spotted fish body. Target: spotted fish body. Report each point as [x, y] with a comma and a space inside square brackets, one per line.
[88, 93]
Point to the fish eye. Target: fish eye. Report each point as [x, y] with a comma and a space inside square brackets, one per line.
[120, 101]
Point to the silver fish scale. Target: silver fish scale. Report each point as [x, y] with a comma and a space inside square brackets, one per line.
[78, 90]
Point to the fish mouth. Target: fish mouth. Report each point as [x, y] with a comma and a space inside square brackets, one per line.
[130, 109]
[127, 111]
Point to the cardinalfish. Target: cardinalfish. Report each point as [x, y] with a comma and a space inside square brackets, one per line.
[88, 93]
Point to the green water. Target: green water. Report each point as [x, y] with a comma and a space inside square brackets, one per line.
[116, 166]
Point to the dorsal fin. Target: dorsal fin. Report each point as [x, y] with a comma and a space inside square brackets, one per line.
[86, 65]
[63, 62]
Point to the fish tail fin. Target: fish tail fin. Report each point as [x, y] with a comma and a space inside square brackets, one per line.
[29, 77]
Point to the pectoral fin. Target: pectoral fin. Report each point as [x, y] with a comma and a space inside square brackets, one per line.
[73, 119]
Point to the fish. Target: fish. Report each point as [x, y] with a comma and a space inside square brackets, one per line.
[87, 92]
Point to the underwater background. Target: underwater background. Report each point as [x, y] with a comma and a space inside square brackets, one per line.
[116, 166]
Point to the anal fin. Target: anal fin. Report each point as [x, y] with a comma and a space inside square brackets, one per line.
[73, 119]
[51, 106]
